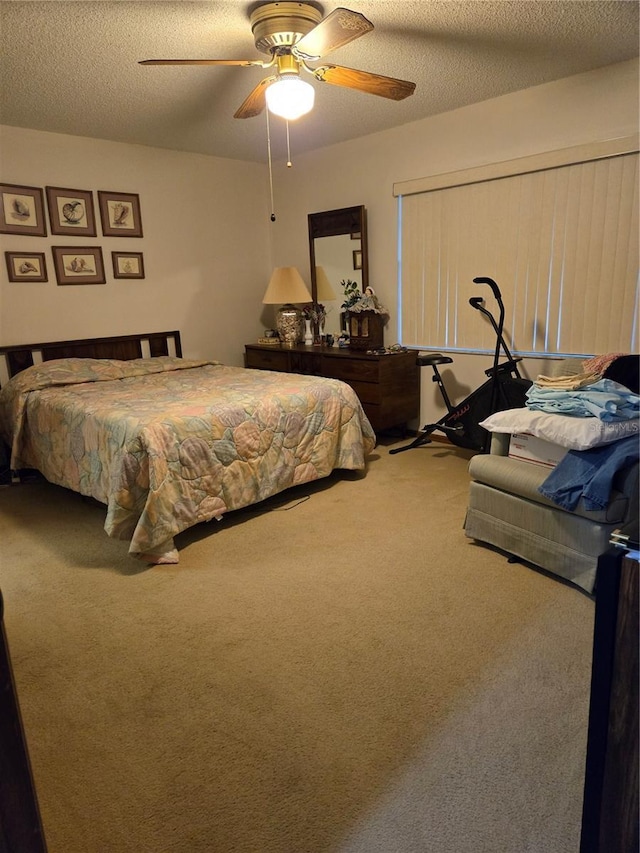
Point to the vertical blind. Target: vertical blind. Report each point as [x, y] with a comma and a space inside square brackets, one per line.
[562, 244]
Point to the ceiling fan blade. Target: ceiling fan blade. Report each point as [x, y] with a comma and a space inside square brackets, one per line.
[334, 31]
[244, 62]
[255, 102]
[364, 81]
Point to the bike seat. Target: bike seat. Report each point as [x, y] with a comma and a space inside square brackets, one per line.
[430, 359]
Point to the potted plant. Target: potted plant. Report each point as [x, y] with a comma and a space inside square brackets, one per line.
[352, 294]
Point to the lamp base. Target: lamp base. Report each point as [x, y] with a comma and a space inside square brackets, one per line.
[289, 324]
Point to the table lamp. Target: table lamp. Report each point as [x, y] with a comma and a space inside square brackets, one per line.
[286, 286]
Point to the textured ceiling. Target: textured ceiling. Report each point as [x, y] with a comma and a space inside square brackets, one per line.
[71, 67]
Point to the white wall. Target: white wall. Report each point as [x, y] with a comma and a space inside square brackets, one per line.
[602, 104]
[205, 245]
[209, 246]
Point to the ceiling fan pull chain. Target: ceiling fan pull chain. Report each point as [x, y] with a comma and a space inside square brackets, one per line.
[273, 215]
[289, 163]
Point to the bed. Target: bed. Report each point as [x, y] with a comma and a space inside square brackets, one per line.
[166, 442]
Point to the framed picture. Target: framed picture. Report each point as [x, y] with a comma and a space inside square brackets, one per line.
[78, 264]
[120, 214]
[357, 259]
[26, 266]
[127, 264]
[71, 211]
[22, 210]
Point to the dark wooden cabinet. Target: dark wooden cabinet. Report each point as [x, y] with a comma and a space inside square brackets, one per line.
[388, 385]
[20, 824]
[610, 807]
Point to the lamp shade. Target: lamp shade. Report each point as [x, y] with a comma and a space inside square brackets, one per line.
[286, 285]
[290, 97]
[324, 290]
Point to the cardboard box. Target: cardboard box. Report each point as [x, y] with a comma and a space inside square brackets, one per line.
[530, 448]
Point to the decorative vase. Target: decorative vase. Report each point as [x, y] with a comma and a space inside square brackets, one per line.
[289, 325]
[308, 334]
[318, 328]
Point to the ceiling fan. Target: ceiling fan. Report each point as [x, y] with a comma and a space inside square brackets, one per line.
[295, 34]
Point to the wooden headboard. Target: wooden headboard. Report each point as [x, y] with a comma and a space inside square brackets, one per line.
[17, 357]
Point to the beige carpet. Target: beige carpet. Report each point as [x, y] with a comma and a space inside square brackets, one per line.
[343, 674]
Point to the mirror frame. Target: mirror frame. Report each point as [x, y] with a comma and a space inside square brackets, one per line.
[329, 223]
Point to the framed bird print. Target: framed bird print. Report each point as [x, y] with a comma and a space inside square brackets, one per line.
[71, 212]
[120, 214]
[22, 210]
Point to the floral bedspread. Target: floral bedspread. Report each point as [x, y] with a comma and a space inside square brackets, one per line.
[166, 443]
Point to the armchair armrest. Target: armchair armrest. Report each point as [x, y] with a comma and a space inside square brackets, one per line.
[626, 481]
[500, 443]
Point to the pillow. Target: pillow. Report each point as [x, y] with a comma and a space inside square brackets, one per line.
[76, 371]
[574, 433]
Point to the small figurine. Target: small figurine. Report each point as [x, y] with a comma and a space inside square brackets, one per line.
[369, 302]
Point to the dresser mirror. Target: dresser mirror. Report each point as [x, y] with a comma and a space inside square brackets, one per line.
[338, 252]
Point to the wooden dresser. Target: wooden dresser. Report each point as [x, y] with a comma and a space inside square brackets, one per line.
[388, 385]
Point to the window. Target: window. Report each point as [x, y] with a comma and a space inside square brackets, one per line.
[557, 232]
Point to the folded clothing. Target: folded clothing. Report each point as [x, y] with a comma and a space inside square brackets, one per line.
[607, 400]
[568, 383]
[599, 363]
[588, 474]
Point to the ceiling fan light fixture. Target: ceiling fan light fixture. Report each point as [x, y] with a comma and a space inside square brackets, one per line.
[290, 97]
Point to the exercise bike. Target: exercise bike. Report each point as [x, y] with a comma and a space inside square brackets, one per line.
[505, 388]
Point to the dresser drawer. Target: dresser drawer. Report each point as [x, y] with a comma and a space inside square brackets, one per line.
[265, 359]
[351, 369]
[310, 364]
[388, 386]
[368, 392]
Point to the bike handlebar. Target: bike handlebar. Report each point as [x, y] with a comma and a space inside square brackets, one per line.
[494, 287]
[476, 301]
